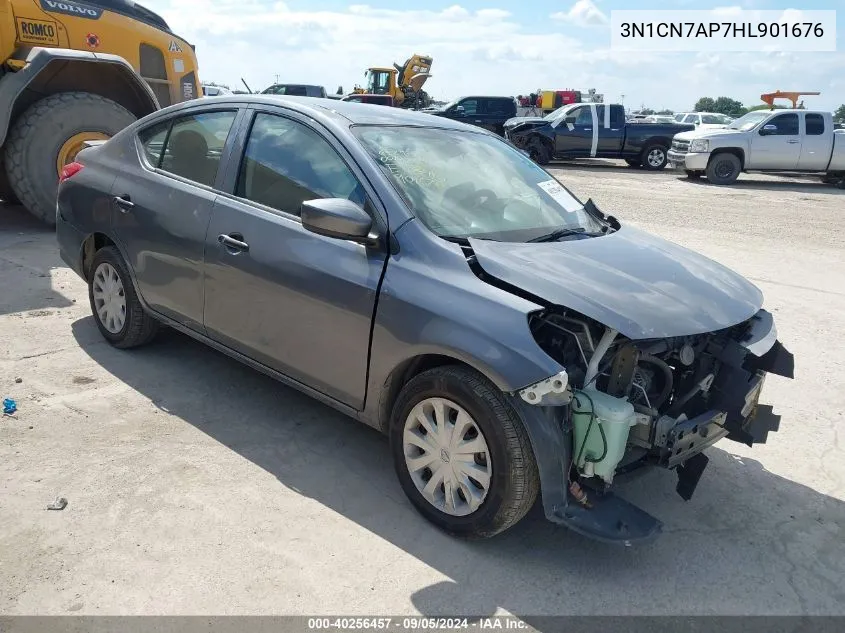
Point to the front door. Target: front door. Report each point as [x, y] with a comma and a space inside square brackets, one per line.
[778, 149]
[574, 134]
[295, 301]
[162, 206]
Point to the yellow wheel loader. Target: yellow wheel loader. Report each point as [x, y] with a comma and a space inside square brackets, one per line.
[404, 83]
[73, 72]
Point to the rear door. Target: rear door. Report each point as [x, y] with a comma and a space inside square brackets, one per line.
[161, 208]
[611, 121]
[295, 301]
[817, 143]
[496, 112]
[779, 150]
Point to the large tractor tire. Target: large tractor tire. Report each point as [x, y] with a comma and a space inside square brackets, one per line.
[6, 194]
[47, 136]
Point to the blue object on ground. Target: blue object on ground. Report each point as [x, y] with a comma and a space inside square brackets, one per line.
[9, 406]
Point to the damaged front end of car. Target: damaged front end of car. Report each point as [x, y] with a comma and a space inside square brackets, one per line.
[623, 404]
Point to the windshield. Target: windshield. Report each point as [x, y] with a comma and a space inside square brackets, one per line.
[748, 121]
[717, 119]
[465, 184]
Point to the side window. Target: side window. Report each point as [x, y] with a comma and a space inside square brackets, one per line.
[498, 106]
[195, 145]
[617, 116]
[787, 124]
[286, 163]
[584, 117]
[470, 106]
[152, 140]
[815, 124]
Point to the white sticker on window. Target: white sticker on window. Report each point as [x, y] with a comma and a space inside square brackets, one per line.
[560, 195]
[179, 65]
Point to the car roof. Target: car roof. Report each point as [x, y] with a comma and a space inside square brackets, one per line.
[342, 113]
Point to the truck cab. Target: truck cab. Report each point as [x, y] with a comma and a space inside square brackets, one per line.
[763, 140]
[489, 113]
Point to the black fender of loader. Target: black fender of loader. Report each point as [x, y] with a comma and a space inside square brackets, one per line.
[53, 70]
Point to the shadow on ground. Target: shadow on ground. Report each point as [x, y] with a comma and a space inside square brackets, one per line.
[22, 245]
[748, 542]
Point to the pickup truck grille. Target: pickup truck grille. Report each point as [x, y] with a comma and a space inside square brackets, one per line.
[681, 147]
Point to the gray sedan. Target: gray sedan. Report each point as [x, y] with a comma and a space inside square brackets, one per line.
[428, 279]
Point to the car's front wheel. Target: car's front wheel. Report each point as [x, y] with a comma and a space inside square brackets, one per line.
[119, 315]
[723, 168]
[462, 453]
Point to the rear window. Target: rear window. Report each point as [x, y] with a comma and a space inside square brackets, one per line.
[815, 124]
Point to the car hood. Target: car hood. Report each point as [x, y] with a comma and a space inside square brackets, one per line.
[636, 283]
[708, 133]
[528, 121]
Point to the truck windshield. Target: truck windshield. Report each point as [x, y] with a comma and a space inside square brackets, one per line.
[465, 184]
[749, 121]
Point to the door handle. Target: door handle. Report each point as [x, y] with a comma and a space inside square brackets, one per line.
[478, 121]
[124, 203]
[233, 242]
[792, 142]
[588, 129]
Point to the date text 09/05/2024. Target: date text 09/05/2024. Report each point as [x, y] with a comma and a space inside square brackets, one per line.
[414, 624]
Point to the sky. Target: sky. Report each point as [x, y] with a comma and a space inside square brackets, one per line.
[490, 47]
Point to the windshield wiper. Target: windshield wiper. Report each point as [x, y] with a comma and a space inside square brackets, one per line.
[558, 234]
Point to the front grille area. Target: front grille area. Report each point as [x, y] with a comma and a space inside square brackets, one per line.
[680, 146]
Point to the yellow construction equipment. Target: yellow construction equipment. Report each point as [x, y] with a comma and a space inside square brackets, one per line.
[770, 97]
[404, 83]
[75, 71]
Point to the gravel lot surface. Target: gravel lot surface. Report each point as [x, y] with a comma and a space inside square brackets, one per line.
[198, 486]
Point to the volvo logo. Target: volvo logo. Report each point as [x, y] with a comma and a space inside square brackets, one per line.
[71, 8]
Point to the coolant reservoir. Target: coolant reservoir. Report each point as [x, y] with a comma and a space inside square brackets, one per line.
[616, 417]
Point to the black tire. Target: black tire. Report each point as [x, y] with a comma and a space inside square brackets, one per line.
[693, 174]
[539, 152]
[723, 168]
[652, 151]
[515, 480]
[634, 162]
[6, 194]
[139, 328]
[36, 137]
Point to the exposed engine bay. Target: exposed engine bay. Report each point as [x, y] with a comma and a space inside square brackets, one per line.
[632, 403]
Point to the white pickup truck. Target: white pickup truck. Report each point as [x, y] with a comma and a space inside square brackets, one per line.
[766, 141]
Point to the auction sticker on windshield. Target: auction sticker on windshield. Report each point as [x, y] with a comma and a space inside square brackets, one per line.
[560, 195]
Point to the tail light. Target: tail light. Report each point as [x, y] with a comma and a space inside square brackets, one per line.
[71, 169]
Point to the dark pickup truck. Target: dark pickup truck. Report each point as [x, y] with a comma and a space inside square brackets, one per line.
[593, 130]
[490, 113]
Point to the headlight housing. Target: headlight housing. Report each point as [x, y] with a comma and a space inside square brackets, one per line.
[699, 145]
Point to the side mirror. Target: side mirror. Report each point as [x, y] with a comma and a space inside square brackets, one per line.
[337, 217]
[460, 110]
[768, 129]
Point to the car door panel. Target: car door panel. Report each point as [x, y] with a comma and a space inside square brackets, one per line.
[574, 135]
[779, 151]
[611, 133]
[297, 302]
[817, 143]
[160, 219]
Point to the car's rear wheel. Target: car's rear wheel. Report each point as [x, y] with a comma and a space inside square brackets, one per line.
[654, 157]
[461, 453]
[723, 168]
[47, 136]
[119, 315]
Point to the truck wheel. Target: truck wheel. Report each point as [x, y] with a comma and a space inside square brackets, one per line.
[539, 153]
[634, 162]
[654, 157]
[48, 136]
[6, 194]
[461, 453]
[723, 168]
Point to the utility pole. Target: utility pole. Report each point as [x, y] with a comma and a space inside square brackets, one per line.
[277, 77]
